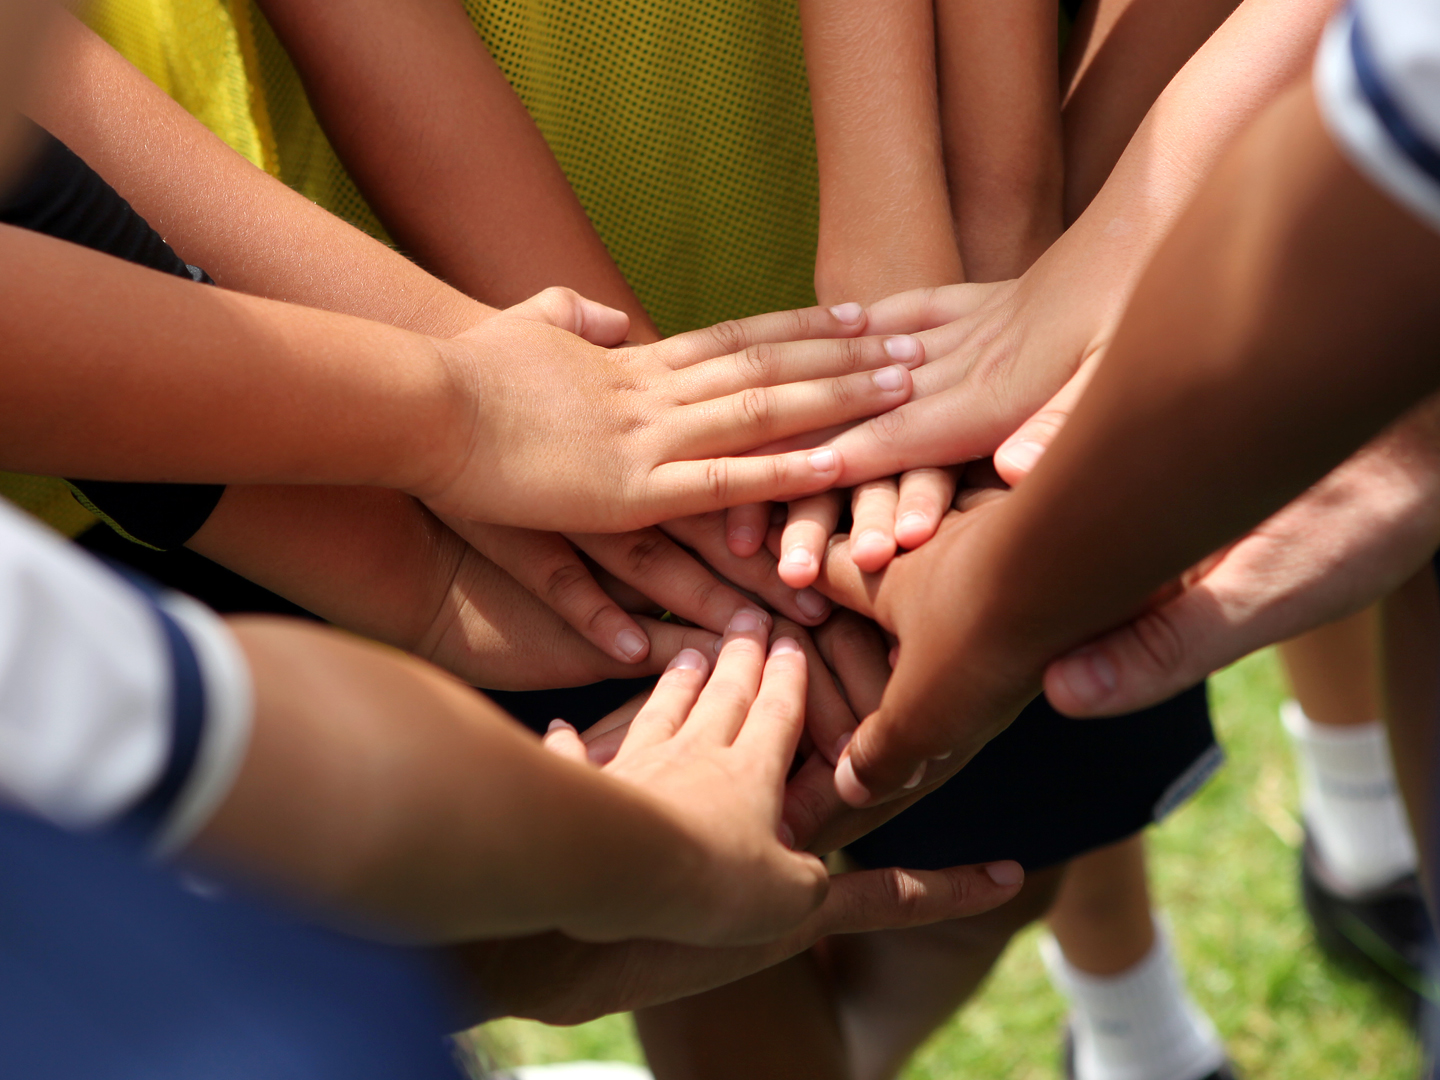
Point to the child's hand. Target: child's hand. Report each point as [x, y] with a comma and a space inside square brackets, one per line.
[553, 432]
[715, 754]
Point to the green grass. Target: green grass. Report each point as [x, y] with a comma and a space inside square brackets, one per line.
[1223, 869]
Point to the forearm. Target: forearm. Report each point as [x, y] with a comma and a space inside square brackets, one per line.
[394, 796]
[1119, 58]
[115, 372]
[1259, 51]
[884, 210]
[445, 151]
[1235, 381]
[248, 230]
[1000, 113]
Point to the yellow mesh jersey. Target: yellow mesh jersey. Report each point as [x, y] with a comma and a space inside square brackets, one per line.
[683, 125]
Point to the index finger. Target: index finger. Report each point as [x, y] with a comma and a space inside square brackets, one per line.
[735, 335]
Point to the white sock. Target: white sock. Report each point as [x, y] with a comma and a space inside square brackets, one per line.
[1138, 1025]
[1350, 801]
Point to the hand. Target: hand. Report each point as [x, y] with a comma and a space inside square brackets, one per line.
[1352, 538]
[828, 715]
[949, 695]
[581, 438]
[714, 756]
[558, 980]
[996, 354]
[886, 514]
[643, 570]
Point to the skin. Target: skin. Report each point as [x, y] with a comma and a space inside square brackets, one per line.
[414, 105]
[1270, 382]
[1357, 534]
[271, 242]
[676, 840]
[857, 1006]
[987, 342]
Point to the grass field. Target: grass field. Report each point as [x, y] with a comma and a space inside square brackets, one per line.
[1224, 872]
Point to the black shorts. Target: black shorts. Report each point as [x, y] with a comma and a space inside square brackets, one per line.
[1047, 789]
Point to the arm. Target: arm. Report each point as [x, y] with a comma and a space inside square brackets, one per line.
[884, 210]
[1259, 394]
[445, 152]
[1000, 113]
[998, 353]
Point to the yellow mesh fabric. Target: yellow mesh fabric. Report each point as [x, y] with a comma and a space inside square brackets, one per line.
[191, 49]
[49, 500]
[683, 125]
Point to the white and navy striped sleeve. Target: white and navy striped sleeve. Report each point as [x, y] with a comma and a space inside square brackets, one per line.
[1377, 81]
[121, 706]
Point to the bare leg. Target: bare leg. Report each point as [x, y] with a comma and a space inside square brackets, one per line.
[1101, 917]
[1332, 671]
[1411, 665]
[855, 1008]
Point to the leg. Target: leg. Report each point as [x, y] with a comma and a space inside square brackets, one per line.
[1332, 671]
[1131, 1015]
[854, 1008]
[1101, 918]
[1356, 831]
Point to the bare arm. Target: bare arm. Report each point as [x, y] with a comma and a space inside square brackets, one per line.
[884, 210]
[444, 150]
[1234, 382]
[1000, 112]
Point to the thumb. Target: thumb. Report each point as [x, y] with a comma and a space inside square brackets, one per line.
[1166, 650]
[935, 715]
[1018, 454]
[568, 310]
[893, 899]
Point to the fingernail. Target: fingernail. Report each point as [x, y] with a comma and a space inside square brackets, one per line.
[822, 460]
[745, 621]
[915, 777]
[912, 521]
[1005, 873]
[894, 656]
[850, 314]
[941, 757]
[902, 349]
[811, 603]
[799, 556]
[1021, 455]
[890, 379]
[848, 786]
[687, 658]
[787, 836]
[840, 744]
[631, 643]
[557, 725]
[1088, 675]
[783, 646]
[744, 535]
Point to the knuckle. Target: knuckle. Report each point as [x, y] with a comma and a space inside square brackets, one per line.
[889, 428]
[564, 583]
[756, 405]
[716, 479]
[904, 895]
[729, 336]
[760, 361]
[851, 355]
[1160, 641]
[646, 552]
[844, 392]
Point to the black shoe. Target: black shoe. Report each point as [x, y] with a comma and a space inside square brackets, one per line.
[1224, 1072]
[1384, 932]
